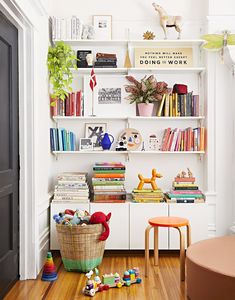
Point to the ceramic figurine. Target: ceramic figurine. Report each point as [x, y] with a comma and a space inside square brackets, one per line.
[151, 180]
[105, 141]
[168, 21]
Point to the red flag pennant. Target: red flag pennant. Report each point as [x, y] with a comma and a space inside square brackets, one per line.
[92, 80]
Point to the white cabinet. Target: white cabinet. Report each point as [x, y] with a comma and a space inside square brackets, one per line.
[197, 214]
[140, 213]
[55, 209]
[119, 223]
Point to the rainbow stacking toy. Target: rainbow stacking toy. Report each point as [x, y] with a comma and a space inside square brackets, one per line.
[49, 271]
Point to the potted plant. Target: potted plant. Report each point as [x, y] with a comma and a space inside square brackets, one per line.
[61, 58]
[145, 92]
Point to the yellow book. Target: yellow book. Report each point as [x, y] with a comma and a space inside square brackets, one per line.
[202, 139]
[171, 105]
[176, 105]
[166, 108]
[159, 113]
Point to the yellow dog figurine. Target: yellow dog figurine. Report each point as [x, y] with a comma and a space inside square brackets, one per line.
[151, 180]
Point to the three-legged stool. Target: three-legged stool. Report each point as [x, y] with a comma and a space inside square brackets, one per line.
[174, 222]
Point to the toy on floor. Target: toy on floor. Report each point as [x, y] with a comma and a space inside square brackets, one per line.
[109, 281]
[49, 271]
[151, 180]
[99, 217]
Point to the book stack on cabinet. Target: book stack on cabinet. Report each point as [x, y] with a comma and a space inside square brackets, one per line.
[148, 196]
[185, 190]
[109, 182]
[71, 188]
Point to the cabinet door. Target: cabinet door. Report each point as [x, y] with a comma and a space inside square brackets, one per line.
[140, 213]
[118, 224]
[198, 218]
[55, 209]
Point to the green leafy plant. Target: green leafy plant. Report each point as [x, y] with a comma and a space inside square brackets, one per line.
[61, 58]
[147, 90]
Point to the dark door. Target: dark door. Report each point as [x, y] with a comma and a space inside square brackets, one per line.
[9, 152]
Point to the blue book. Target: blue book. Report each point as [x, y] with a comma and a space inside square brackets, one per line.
[52, 140]
[64, 140]
[60, 139]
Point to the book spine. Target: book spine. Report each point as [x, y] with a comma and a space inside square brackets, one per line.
[73, 28]
[78, 103]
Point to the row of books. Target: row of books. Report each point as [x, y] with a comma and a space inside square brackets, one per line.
[189, 139]
[147, 196]
[179, 105]
[72, 188]
[66, 28]
[185, 190]
[108, 182]
[62, 140]
[105, 60]
[73, 105]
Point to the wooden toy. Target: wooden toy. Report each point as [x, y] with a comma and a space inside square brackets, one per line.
[151, 180]
[109, 281]
[49, 270]
[168, 21]
[190, 174]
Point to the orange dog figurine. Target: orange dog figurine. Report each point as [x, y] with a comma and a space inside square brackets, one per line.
[151, 180]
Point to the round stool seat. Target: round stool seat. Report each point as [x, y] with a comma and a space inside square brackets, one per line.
[168, 222]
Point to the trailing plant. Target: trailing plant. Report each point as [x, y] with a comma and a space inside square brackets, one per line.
[61, 58]
[147, 90]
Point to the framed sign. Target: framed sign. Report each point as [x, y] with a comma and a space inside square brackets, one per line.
[163, 57]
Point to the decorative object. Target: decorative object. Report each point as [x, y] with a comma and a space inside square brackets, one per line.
[180, 89]
[89, 60]
[103, 27]
[163, 57]
[218, 42]
[93, 84]
[93, 131]
[109, 96]
[127, 63]
[144, 92]
[82, 58]
[88, 32]
[168, 21]
[151, 180]
[109, 281]
[100, 218]
[60, 59]
[153, 142]
[129, 139]
[148, 35]
[105, 141]
[49, 270]
[86, 144]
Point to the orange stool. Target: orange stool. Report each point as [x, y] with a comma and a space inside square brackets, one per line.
[174, 222]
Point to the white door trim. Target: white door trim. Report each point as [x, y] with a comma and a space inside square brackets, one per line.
[27, 209]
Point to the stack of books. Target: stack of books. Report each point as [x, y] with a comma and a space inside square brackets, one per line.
[62, 140]
[185, 190]
[109, 182]
[105, 60]
[71, 187]
[148, 196]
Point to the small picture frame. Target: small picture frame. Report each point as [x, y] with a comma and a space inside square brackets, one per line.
[93, 131]
[85, 144]
[103, 27]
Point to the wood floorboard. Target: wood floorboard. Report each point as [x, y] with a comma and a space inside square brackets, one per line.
[163, 282]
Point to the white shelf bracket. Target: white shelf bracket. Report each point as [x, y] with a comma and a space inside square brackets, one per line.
[127, 157]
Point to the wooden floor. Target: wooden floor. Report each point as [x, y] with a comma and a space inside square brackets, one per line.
[162, 284]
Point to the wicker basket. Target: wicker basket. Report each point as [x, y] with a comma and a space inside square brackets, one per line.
[80, 247]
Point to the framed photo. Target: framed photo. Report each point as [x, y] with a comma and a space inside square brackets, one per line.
[103, 27]
[109, 96]
[85, 144]
[93, 131]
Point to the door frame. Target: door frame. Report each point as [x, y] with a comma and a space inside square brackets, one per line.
[27, 207]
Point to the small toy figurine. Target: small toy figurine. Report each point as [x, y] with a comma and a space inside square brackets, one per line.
[151, 180]
[183, 174]
[190, 174]
[168, 21]
[109, 281]
[148, 35]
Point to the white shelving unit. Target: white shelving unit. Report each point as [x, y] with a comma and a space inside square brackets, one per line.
[135, 215]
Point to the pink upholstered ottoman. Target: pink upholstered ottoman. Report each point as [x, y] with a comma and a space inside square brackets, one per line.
[211, 269]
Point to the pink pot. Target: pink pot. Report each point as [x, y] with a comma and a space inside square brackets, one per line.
[145, 110]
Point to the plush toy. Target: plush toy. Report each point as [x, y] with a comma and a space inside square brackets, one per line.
[99, 217]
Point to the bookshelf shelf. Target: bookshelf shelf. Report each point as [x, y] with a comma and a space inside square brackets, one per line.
[196, 70]
[97, 118]
[127, 152]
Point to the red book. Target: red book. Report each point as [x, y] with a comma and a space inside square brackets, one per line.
[185, 179]
[170, 140]
[67, 106]
[165, 139]
[53, 107]
[72, 104]
[78, 103]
